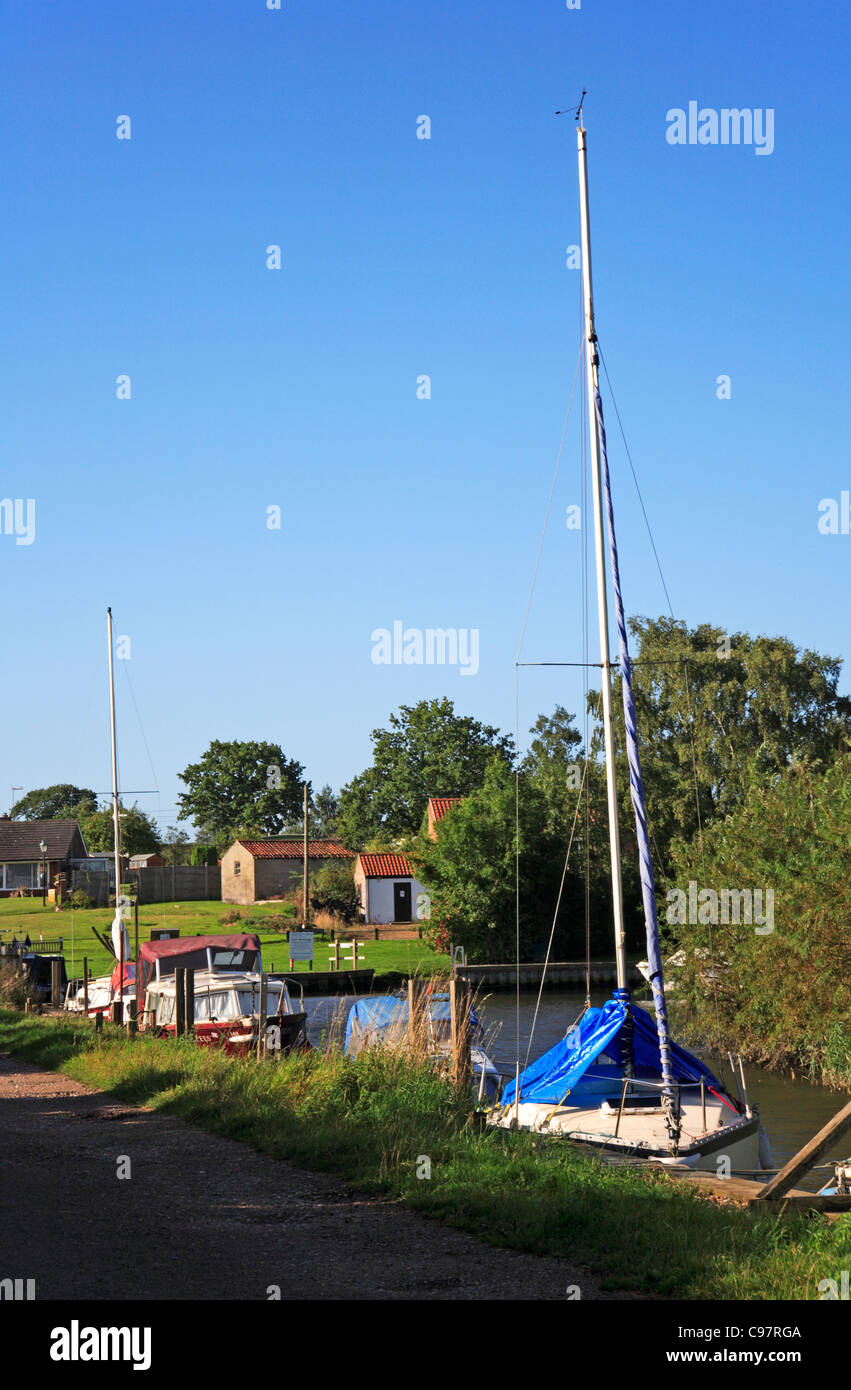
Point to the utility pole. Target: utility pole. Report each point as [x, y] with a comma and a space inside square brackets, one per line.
[306, 913]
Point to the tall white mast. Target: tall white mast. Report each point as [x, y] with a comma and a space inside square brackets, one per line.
[115, 821]
[591, 376]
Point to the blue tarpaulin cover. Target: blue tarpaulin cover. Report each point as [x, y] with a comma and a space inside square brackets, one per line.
[556, 1073]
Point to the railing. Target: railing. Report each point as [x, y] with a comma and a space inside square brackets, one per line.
[54, 947]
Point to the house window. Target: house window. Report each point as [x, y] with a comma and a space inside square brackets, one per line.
[14, 876]
[237, 868]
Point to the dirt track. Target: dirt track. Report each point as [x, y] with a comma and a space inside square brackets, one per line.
[208, 1218]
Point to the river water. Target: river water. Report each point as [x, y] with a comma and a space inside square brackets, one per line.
[792, 1111]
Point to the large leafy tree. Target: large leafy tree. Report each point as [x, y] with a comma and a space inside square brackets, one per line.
[777, 987]
[51, 803]
[241, 788]
[713, 710]
[470, 874]
[428, 750]
[139, 833]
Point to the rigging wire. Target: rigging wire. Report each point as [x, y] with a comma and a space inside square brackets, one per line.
[141, 727]
[517, 711]
[583, 788]
[684, 660]
[586, 638]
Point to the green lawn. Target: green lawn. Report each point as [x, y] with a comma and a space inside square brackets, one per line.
[20, 916]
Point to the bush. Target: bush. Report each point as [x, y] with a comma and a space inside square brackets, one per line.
[333, 892]
[276, 921]
[79, 898]
[229, 918]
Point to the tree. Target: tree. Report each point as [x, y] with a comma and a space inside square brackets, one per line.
[714, 709]
[554, 764]
[204, 855]
[428, 750]
[139, 833]
[470, 873]
[176, 846]
[53, 803]
[241, 788]
[325, 810]
[768, 972]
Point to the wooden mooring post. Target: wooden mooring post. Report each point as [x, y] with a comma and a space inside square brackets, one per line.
[262, 1011]
[85, 986]
[137, 992]
[806, 1158]
[459, 1015]
[778, 1194]
[189, 1007]
[180, 1001]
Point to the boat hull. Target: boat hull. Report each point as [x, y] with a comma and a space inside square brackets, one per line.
[727, 1147]
[239, 1038]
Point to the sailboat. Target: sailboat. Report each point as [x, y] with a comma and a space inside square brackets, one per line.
[617, 1082]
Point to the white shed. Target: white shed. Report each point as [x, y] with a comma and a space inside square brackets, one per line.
[387, 889]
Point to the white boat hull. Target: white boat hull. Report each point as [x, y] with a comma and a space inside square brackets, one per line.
[727, 1143]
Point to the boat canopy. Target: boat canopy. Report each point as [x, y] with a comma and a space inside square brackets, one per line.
[236, 951]
[383, 1018]
[551, 1079]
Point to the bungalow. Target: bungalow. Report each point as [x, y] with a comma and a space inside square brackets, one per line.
[146, 861]
[437, 808]
[256, 869]
[386, 888]
[22, 857]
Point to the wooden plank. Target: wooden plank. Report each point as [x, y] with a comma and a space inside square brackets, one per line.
[744, 1189]
[808, 1201]
[809, 1155]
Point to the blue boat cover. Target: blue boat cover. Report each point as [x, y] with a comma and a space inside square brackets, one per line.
[553, 1076]
[383, 1017]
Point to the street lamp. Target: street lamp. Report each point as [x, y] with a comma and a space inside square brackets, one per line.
[43, 847]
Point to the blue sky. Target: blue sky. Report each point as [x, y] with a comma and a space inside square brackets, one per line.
[401, 257]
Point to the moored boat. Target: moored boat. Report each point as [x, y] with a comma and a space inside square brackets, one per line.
[227, 993]
[383, 1020]
[617, 1081]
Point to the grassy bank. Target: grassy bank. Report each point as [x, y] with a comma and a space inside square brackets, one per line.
[22, 916]
[374, 1119]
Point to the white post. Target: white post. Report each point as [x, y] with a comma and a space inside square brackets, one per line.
[116, 826]
[591, 364]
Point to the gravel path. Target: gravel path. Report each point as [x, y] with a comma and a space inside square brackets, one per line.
[208, 1218]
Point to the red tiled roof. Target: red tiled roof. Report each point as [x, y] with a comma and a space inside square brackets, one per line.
[386, 866]
[439, 805]
[294, 849]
